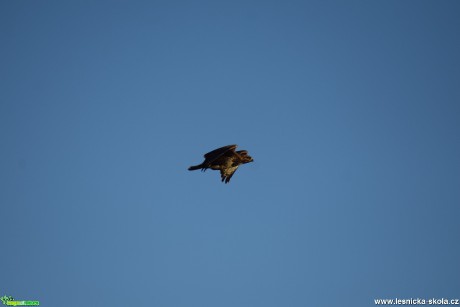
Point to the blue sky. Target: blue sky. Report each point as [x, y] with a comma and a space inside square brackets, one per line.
[350, 110]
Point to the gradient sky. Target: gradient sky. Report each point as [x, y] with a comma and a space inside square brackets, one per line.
[351, 110]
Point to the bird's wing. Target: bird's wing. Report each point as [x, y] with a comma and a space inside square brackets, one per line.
[226, 174]
[216, 153]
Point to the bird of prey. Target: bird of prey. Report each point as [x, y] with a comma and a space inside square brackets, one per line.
[225, 159]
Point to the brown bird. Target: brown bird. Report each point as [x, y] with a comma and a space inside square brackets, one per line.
[225, 159]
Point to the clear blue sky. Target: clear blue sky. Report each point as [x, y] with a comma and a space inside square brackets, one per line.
[351, 110]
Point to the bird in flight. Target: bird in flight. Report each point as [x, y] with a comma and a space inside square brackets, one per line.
[225, 159]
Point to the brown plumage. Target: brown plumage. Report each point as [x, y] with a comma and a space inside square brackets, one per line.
[225, 159]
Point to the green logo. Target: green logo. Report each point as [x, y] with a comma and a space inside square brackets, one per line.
[9, 301]
[6, 299]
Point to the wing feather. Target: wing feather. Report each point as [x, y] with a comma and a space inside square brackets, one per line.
[216, 153]
[226, 174]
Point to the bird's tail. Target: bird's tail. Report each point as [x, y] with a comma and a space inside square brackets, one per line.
[195, 167]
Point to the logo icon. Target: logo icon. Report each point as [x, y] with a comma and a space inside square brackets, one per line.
[10, 301]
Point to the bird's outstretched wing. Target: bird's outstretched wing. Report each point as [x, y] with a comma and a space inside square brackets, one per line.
[217, 153]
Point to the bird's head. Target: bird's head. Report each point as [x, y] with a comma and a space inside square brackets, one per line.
[245, 157]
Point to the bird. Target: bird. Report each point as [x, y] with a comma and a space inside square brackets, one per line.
[225, 159]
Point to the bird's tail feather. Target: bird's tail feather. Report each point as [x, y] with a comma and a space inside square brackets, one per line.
[195, 167]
